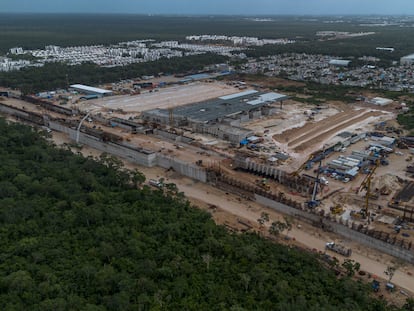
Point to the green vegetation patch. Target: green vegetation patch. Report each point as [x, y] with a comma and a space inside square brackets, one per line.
[78, 234]
[59, 75]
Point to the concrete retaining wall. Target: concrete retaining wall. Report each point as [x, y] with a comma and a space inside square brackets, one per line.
[172, 136]
[225, 132]
[135, 154]
[393, 250]
[187, 169]
[14, 112]
[22, 114]
[56, 126]
[131, 153]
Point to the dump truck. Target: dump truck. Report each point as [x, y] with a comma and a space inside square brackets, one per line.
[338, 248]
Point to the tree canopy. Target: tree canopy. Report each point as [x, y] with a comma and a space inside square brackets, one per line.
[60, 75]
[78, 234]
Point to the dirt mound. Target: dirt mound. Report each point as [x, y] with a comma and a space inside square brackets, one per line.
[388, 180]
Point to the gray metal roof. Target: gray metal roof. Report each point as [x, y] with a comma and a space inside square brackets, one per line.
[339, 62]
[240, 94]
[90, 89]
[411, 56]
[218, 108]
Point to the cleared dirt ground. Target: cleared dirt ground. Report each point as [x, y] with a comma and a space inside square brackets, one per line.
[163, 98]
[292, 131]
[332, 128]
[230, 209]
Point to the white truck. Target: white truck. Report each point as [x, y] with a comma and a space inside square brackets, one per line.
[155, 183]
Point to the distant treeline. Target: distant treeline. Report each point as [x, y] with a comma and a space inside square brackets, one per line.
[350, 48]
[58, 75]
[37, 31]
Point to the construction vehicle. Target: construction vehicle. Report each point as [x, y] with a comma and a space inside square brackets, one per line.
[374, 194]
[263, 183]
[337, 209]
[356, 215]
[384, 161]
[375, 286]
[390, 287]
[338, 248]
[311, 117]
[306, 165]
[385, 190]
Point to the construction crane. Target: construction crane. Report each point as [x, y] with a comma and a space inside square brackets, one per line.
[366, 184]
[303, 166]
[314, 202]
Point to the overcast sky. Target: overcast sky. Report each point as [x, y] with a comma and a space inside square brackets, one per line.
[239, 7]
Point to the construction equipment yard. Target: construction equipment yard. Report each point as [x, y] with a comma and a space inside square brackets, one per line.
[284, 154]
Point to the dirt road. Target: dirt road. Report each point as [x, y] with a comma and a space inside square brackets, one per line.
[372, 261]
[311, 134]
[315, 137]
[251, 211]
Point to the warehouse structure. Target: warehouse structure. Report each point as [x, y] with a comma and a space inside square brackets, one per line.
[244, 105]
[220, 117]
[380, 101]
[407, 60]
[339, 62]
[89, 90]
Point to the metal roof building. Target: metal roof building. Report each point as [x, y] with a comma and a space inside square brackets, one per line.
[219, 108]
[216, 116]
[339, 62]
[380, 101]
[90, 90]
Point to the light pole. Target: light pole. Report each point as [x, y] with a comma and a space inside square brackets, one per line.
[79, 126]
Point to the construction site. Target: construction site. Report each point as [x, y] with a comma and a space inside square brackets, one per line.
[343, 168]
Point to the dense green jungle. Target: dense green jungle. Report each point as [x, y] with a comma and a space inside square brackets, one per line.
[83, 233]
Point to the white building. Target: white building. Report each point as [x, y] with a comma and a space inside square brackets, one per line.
[339, 62]
[380, 101]
[90, 90]
[16, 51]
[407, 60]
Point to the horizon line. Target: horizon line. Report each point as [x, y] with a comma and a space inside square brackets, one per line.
[210, 14]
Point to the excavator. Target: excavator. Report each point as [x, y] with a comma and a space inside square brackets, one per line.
[337, 209]
[263, 184]
[305, 165]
